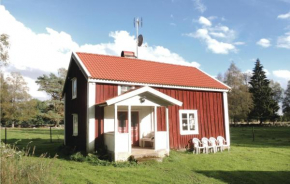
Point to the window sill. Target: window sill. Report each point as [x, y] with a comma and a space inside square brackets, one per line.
[189, 133]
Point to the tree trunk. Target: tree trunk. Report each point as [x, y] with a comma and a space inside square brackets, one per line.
[12, 126]
[261, 121]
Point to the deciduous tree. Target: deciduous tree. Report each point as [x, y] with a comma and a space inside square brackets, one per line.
[239, 98]
[53, 84]
[4, 45]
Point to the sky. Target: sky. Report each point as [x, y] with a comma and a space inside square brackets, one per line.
[200, 33]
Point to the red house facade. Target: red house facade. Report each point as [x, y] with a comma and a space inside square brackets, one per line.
[126, 103]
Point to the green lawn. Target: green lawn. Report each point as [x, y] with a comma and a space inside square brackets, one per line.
[266, 160]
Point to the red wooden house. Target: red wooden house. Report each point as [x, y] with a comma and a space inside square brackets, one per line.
[124, 103]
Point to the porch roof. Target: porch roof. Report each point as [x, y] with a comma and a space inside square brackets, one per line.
[148, 93]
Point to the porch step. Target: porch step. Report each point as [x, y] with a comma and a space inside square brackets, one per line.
[146, 156]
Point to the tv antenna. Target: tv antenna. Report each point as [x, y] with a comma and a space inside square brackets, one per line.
[138, 22]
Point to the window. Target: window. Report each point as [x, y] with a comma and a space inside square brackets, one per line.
[75, 125]
[188, 122]
[123, 89]
[74, 88]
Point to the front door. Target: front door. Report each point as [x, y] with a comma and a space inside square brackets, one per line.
[135, 128]
[123, 125]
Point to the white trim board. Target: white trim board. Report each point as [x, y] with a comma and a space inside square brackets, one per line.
[136, 92]
[82, 66]
[156, 85]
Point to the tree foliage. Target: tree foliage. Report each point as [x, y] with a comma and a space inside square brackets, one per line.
[53, 84]
[286, 102]
[4, 45]
[264, 105]
[16, 103]
[239, 98]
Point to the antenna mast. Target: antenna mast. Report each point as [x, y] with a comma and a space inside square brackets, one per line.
[137, 23]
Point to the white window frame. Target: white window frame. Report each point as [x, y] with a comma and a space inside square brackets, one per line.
[74, 92]
[128, 88]
[75, 125]
[188, 132]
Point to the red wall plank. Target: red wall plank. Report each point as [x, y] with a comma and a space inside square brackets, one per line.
[210, 115]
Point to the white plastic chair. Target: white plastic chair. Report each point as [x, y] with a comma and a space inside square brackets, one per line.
[222, 143]
[197, 146]
[214, 144]
[205, 143]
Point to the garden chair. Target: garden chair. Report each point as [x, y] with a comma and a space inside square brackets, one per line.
[197, 146]
[222, 143]
[205, 143]
[213, 142]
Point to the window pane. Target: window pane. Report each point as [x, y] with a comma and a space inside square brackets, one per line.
[191, 121]
[122, 119]
[134, 119]
[184, 116]
[184, 125]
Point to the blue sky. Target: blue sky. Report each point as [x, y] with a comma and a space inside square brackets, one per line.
[206, 34]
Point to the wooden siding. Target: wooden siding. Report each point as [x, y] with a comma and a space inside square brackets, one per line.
[210, 115]
[103, 92]
[208, 104]
[77, 106]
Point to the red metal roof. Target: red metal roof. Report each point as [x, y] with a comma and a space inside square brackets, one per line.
[141, 71]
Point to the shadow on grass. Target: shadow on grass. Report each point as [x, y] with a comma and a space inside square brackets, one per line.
[249, 176]
[42, 146]
[263, 136]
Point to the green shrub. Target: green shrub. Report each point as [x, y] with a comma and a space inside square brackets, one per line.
[78, 156]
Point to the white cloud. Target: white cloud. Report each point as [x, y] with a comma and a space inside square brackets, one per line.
[284, 16]
[204, 21]
[239, 43]
[284, 41]
[264, 42]
[213, 45]
[267, 72]
[284, 74]
[32, 52]
[219, 39]
[172, 24]
[199, 5]
[219, 35]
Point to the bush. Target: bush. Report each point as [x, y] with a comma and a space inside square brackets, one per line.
[79, 157]
[19, 167]
[95, 160]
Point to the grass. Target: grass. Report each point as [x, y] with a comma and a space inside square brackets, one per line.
[266, 160]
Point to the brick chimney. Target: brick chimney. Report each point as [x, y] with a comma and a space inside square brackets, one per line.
[128, 54]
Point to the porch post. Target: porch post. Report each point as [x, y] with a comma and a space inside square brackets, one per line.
[167, 128]
[226, 117]
[116, 131]
[155, 127]
[129, 129]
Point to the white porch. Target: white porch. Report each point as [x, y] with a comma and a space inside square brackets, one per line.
[131, 116]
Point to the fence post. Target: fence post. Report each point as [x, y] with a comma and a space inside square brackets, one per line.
[253, 133]
[50, 134]
[5, 135]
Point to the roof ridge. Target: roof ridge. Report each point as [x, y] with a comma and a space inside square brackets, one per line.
[144, 60]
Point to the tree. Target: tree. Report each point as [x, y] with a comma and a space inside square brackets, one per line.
[277, 91]
[264, 106]
[15, 105]
[239, 97]
[4, 45]
[53, 84]
[286, 102]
